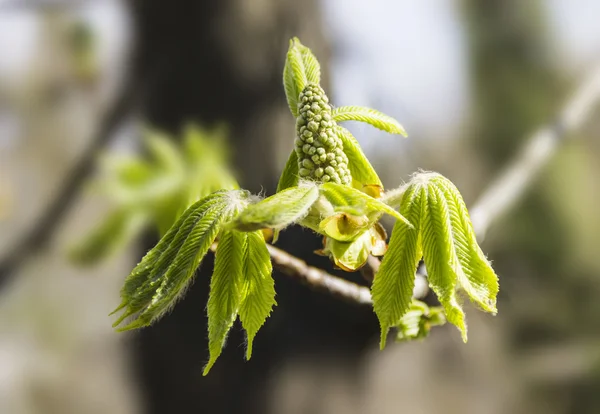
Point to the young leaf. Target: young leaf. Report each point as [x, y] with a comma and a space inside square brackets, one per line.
[119, 228]
[344, 196]
[226, 287]
[258, 290]
[289, 175]
[370, 116]
[296, 74]
[478, 279]
[418, 320]
[394, 282]
[439, 253]
[311, 64]
[155, 284]
[301, 67]
[343, 227]
[363, 173]
[138, 289]
[289, 83]
[351, 256]
[279, 210]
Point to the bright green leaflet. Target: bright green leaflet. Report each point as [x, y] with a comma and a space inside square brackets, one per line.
[361, 169]
[173, 263]
[342, 195]
[393, 285]
[369, 116]
[258, 288]
[310, 62]
[226, 287]
[279, 210]
[289, 176]
[478, 279]
[440, 256]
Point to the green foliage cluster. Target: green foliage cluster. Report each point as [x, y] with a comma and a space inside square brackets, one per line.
[328, 186]
[155, 189]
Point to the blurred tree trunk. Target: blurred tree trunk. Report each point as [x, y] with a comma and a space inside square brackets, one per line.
[213, 62]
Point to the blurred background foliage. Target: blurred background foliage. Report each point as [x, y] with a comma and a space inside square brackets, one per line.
[470, 80]
[155, 190]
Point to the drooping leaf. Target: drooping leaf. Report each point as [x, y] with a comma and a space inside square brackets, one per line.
[279, 210]
[441, 259]
[258, 290]
[289, 175]
[226, 286]
[363, 173]
[418, 321]
[480, 281]
[345, 196]
[133, 294]
[393, 284]
[115, 232]
[162, 276]
[370, 116]
[452, 256]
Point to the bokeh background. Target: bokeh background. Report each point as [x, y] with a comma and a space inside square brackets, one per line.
[470, 81]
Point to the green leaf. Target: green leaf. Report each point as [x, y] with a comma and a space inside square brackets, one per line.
[363, 173]
[279, 210]
[301, 67]
[477, 278]
[156, 283]
[343, 226]
[289, 83]
[289, 175]
[258, 288]
[393, 285]
[226, 288]
[351, 256]
[340, 195]
[418, 321]
[453, 258]
[116, 231]
[294, 76]
[370, 116]
[310, 62]
[441, 259]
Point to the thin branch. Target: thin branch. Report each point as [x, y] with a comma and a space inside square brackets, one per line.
[511, 184]
[52, 217]
[318, 279]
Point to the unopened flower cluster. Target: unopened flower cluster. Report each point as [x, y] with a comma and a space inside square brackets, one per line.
[320, 152]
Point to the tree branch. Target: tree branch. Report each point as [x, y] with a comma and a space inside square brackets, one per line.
[318, 279]
[511, 184]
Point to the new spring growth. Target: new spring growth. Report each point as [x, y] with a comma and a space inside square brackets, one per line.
[320, 151]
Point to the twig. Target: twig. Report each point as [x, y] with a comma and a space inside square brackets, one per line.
[50, 219]
[318, 279]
